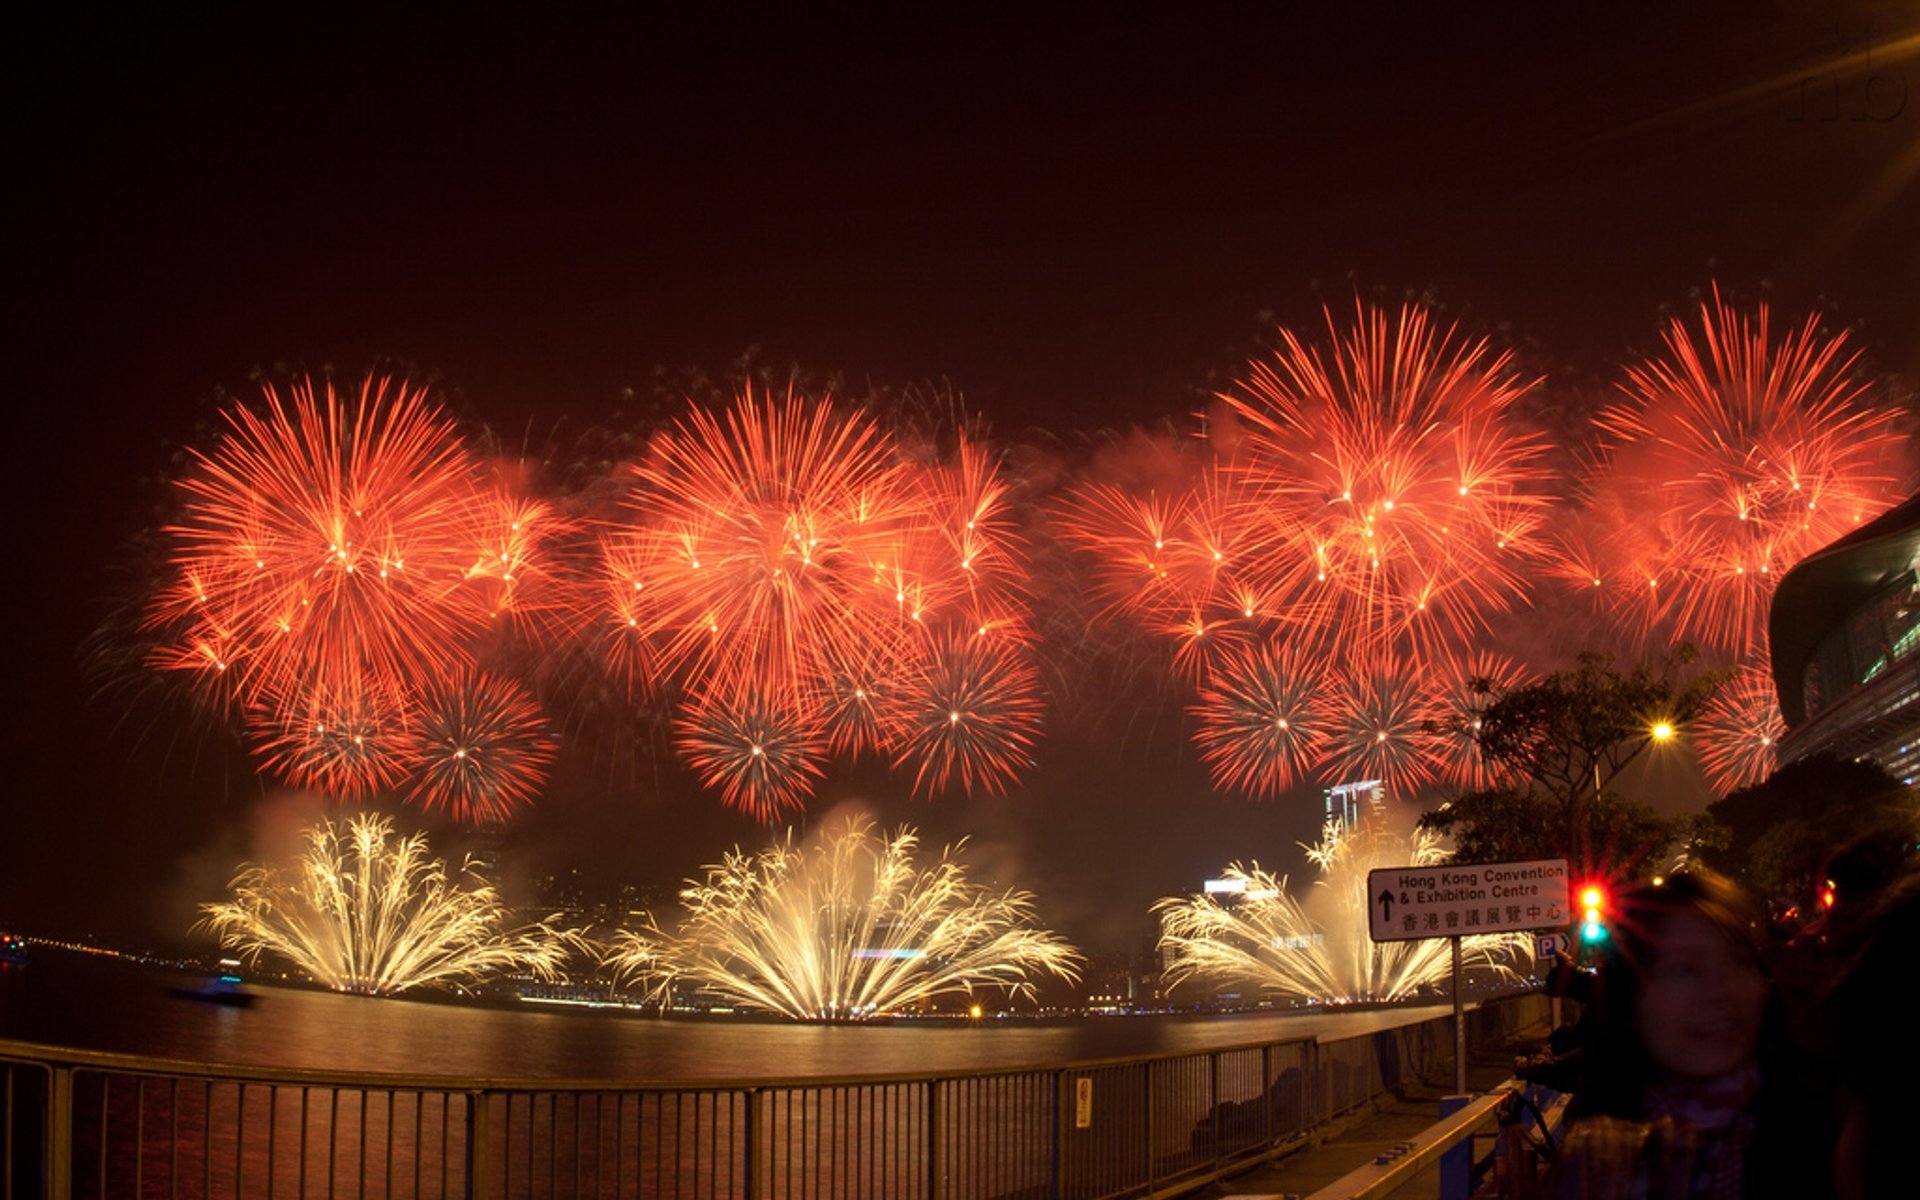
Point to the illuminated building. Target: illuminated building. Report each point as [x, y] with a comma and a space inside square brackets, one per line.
[1845, 635]
[1345, 801]
[1109, 983]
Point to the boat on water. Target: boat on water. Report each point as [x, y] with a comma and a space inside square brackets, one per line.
[226, 987]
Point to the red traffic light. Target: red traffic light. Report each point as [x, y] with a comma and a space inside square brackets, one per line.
[1593, 912]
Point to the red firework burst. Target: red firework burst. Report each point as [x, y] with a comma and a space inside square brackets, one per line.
[1471, 688]
[1385, 721]
[1732, 456]
[481, 749]
[766, 541]
[1402, 491]
[1180, 563]
[324, 547]
[791, 550]
[514, 571]
[762, 753]
[970, 503]
[1739, 734]
[1264, 720]
[971, 716]
[348, 742]
[1375, 498]
[859, 701]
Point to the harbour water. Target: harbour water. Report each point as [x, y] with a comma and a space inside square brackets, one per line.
[101, 1003]
[537, 1097]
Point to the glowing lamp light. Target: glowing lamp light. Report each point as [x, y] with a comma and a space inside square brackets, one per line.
[1662, 731]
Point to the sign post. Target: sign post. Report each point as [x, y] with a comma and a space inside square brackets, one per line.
[1407, 904]
[1547, 948]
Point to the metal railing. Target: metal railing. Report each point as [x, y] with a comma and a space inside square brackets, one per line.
[85, 1124]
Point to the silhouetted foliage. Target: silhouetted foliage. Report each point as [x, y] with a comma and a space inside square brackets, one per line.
[1779, 832]
[1620, 838]
[1563, 739]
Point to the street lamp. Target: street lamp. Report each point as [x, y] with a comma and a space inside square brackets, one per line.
[1659, 733]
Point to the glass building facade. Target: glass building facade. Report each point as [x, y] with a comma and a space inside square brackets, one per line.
[1845, 636]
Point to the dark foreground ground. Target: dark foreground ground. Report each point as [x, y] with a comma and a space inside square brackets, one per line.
[1356, 1140]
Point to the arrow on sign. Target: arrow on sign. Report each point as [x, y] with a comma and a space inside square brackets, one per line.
[1386, 905]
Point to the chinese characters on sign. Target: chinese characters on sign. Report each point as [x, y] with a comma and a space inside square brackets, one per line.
[1410, 903]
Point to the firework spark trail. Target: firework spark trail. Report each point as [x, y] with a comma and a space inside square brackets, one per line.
[1176, 562]
[1137, 542]
[810, 590]
[1264, 721]
[362, 910]
[762, 751]
[967, 551]
[1472, 688]
[514, 569]
[345, 740]
[845, 928]
[1386, 721]
[1264, 936]
[481, 749]
[971, 715]
[1738, 735]
[1403, 489]
[1372, 506]
[1753, 450]
[324, 545]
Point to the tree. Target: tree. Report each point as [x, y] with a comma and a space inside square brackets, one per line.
[1618, 839]
[1779, 832]
[1562, 740]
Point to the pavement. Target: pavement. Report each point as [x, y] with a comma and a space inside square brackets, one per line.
[1359, 1138]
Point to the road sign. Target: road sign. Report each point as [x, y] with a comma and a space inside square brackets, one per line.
[1546, 945]
[1407, 904]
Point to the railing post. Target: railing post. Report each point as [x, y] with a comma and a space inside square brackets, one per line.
[1213, 1072]
[1322, 1084]
[1267, 1085]
[935, 1143]
[59, 1148]
[479, 1130]
[1146, 1116]
[759, 1169]
[1459, 1023]
[1062, 1080]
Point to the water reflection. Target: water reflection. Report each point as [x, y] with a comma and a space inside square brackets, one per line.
[80, 1001]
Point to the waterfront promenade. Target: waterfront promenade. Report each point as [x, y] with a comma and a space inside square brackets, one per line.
[90, 1122]
[1357, 1140]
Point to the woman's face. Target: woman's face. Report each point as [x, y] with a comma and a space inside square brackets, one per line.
[1701, 1000]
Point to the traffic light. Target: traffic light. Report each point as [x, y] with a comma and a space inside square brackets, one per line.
[1593, 913]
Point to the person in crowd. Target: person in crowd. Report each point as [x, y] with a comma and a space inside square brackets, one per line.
[1855, 880]
[1874, 1056]
[1690, 1087]
[1559, 1066]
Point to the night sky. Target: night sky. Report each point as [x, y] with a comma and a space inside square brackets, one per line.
[1077, 221]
